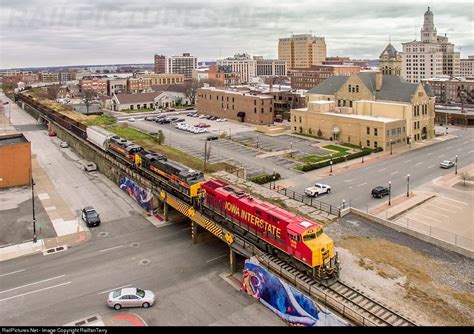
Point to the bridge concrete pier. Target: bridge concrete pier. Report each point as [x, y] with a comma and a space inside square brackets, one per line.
[165, 211]
[232, 261]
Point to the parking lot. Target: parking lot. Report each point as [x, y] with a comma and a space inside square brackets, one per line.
[300, 146]
[220, 150]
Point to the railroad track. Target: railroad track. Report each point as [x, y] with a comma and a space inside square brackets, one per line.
[352, 301]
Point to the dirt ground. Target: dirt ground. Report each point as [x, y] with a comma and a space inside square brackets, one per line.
[410, 281]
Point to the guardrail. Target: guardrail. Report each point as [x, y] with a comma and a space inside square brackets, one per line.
[310, 201]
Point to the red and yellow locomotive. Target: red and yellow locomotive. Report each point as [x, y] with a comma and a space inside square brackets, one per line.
[277, 231]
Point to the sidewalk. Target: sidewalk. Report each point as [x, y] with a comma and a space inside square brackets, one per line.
[400, 205]
[68, 227]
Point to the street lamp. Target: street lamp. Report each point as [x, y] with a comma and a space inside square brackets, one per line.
[362, 155]
[291, 149]
[330, 163]
[446, 122]
[408, 185]
[274, 177]
[34, 217]
[389, 192]
[391, 147]
[257, 141]
[456, 166]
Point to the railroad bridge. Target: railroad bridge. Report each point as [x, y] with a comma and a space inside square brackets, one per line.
[343, 299]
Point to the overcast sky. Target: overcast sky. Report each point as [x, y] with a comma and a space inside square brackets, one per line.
[64, 32]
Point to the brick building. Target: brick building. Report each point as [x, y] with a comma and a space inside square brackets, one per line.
[95, 84]
[160, 64]
[307, 78]
[236, 105]
[15, 155]
[223, 75]
[457, 90]
[138, 85]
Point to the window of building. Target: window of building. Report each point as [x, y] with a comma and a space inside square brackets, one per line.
[255, 110]
[375, 133]
[357, 88]
[232, 99]
[350, 104]
[262, 110]
[338, 103]
[368, 143]
[375, 144]
[254, 102]
[294, 128]
[350, 88]
[294, 119]
[222, 105]
[388, 131]
[368, 130]
[300, 119]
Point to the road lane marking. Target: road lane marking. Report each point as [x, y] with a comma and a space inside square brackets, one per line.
[362, 184]
[407, 161]
[431, 166]
[440, 208]
[442, 155]
[13, 272]
[450, 199]
[395, 173]
[433, 212]
[381, 170]
[454, 206]
[107, 249]
[45, 280]
[120, 287]
[215, 258]
[29, 293]
[418, 164]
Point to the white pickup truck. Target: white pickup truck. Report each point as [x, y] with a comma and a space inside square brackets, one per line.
[317, 189]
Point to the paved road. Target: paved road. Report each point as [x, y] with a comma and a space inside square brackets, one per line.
[60, 288]
[422, 164]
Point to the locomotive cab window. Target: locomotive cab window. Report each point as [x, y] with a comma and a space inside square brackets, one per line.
[309, 237]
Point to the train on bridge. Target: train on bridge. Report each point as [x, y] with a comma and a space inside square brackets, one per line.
[296, 240]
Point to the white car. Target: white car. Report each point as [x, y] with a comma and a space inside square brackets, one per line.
[131, 119]
[317, 189]
[447, 164]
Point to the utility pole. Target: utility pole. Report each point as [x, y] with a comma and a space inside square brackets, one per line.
[34, 217]
[205, 156]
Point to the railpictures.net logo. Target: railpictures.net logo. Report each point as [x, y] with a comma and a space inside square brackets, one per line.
[54, 330]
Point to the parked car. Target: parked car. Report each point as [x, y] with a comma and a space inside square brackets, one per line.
[202, 125]
[90, 216]
[212, 137]
[380, 191]
[446, 164]
[63, 144]
[317, 189]
[131, 119]
[150, 118]
[51, 133]
[189, 108]
[130, 297]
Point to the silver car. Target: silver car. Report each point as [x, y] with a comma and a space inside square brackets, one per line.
[130, 297]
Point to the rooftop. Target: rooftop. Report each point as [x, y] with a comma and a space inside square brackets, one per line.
[10, 139]
[363, 117]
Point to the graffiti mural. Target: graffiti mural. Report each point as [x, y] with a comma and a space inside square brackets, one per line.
[143, 196]
[288, 303]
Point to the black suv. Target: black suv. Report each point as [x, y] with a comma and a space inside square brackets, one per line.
[90, 216]
[380, 192]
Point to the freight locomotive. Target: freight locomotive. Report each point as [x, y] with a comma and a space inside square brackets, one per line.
[184, 179]
[274, 230]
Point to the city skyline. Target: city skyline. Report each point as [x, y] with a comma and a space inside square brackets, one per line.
[88, 32]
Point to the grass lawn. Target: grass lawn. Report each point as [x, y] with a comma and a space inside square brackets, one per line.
[351, 146]
[134, 111]
[336, 148]
[148, 142]
[103, 120]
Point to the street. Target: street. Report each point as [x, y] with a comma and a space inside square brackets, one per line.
[59, 288]
[355, 184]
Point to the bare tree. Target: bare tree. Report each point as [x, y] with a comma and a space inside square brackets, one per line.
[88, 95]
[52, 92]
[160, 137]
[191, 90]
[464, 176]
